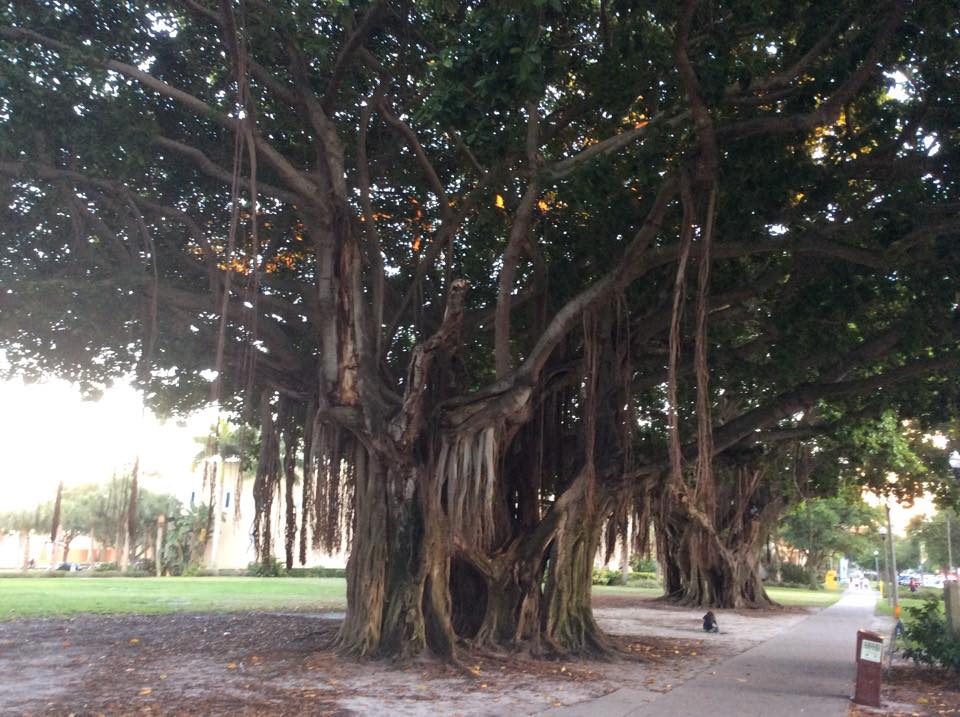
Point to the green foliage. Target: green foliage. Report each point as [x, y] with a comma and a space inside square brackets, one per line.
[233, 443]
[794, 574]
[928, 643]
[927, 538]
[605, 576]
[183, 541]
[273, 568]
[822, 527]
[643, 565]
[276, 569]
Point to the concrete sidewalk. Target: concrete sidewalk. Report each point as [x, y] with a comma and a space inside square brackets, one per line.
[809, 669]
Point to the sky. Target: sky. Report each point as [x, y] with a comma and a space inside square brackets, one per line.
[48, 433]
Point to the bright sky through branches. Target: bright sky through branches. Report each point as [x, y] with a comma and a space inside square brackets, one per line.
[48, 433]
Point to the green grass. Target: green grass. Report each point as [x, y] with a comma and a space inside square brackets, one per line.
[883, 607]
[804, 597]
[784, 596]
[77, 595]
[626, 590]
[55, 598]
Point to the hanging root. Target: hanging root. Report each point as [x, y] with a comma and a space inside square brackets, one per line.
[466, 477]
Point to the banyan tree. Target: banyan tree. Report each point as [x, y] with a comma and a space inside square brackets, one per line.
[509, 276]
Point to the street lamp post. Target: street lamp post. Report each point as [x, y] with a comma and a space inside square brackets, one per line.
[886, 563]
[894, 582]
[955, 466]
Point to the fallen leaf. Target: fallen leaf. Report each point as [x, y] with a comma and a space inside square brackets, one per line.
[146, 692]
[231, 665]
[134, 640]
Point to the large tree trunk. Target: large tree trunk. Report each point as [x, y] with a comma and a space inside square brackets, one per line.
[416, 582]
[713, 559]
[398, 574]
[568, 614]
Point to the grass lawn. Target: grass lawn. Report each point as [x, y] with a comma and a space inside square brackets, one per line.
[626, 590]
[56, 597]
[784, 596]
[49, 597]
[883, 607]
[803, 596]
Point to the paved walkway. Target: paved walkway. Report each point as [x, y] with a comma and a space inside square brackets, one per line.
[808, 669]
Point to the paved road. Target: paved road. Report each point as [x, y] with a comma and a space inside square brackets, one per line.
[808, 669]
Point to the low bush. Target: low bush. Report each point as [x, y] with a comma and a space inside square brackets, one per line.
[927, 640]
[145, 565]
[276, 569]
[643, 565]
[795, 575]
[605, 576]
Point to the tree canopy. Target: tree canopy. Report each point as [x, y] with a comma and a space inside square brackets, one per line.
[511, 276]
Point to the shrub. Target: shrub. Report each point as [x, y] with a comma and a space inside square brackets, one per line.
[605, 576]
[928, 642]
[191, 570]
[643, 580]
[145, 565]
[105, 567]
[272, 568]
[643, 565]
[790, 573]
[276, 569]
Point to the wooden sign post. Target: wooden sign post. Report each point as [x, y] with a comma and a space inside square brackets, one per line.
[869, 657]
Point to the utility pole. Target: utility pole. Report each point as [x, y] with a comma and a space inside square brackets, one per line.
[946, 514]
[161, 524]
[894, 586]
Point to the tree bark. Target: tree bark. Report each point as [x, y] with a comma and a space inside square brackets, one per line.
[25, 539]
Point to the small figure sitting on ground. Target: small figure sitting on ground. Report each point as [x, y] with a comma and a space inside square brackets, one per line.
[710, 622]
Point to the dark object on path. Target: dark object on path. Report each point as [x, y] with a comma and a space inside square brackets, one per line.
[710, 622]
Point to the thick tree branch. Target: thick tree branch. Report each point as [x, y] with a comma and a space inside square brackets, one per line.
[291, 175]
[409, 421]
[563, 167]
[829, 111]
[410, 136]
[519, 235]
[803, 397]
[348, 50]
[626, 271]
[767, 88]
[211, 168]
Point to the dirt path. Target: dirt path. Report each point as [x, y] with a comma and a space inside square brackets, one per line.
[280, 664]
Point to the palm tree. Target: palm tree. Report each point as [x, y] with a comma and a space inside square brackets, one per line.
[22, 522]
